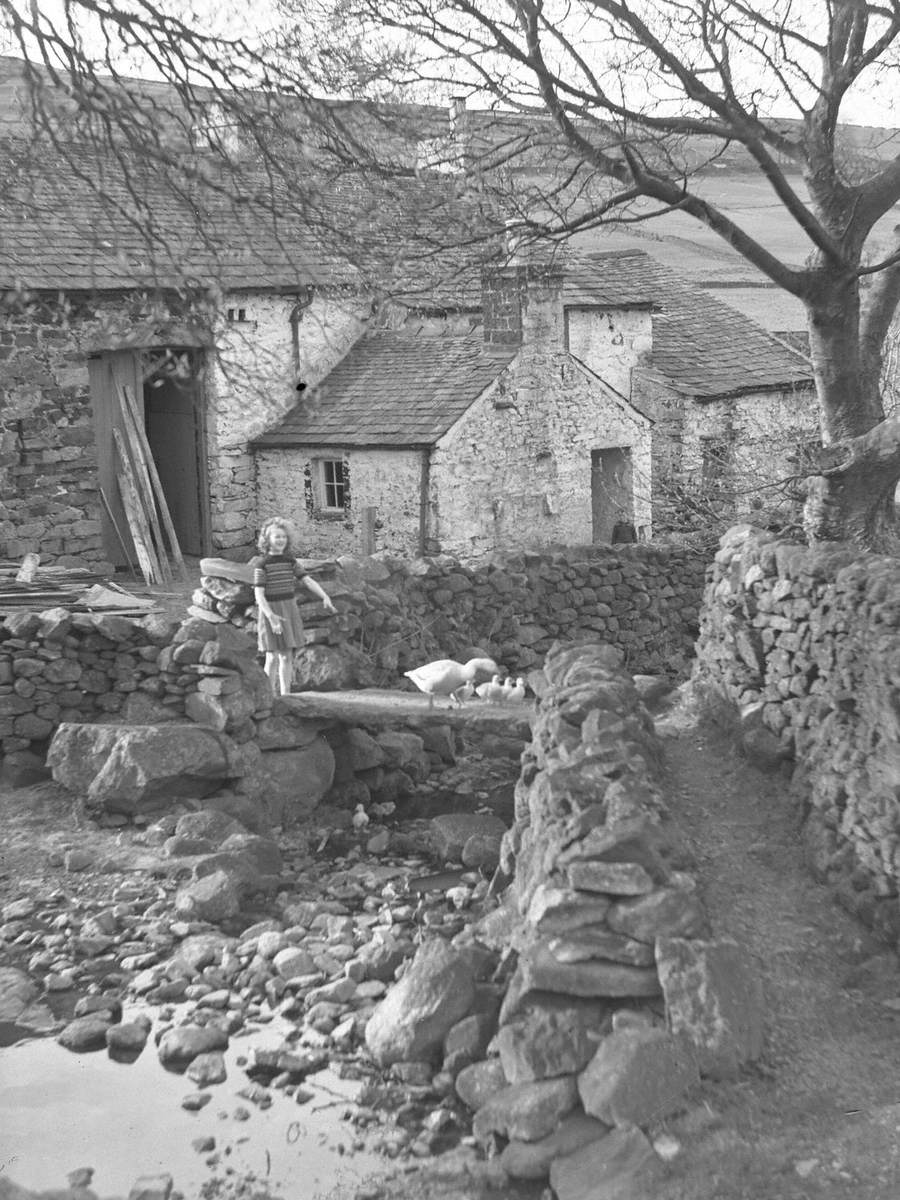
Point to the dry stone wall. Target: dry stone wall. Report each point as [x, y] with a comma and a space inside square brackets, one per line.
[396, 613]
[609, 998]
[59, 667]
[804, 645]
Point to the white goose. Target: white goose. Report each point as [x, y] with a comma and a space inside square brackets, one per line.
[517, 695]
[443, 677]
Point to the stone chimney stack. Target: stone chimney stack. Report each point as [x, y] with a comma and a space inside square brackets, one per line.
[522, 300]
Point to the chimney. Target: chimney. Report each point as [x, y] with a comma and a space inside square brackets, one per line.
[521, 301]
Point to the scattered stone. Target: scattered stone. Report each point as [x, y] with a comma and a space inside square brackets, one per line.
[212, 898]
[151, 1187]
[203, 1145]
[181, 1045]
[481, 852]
[714, 998]
[293, 962]
[195, 1101]
[207, 1068]
[17, 991]
[637, 1076]
[667, 1147]
[17, 910]
[415, 1016]
[77, 860]
[620, 1166]
[110, 1005]
[129, 1038]
[450, 832]
[81, 1177]
[526, 1111]
[85, 1034]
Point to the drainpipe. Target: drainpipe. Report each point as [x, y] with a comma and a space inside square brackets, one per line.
[296, 316]
[424, 485]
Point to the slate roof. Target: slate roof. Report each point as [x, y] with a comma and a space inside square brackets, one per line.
[405, 388]
[703, 346]
[394, 388]
[75, 221]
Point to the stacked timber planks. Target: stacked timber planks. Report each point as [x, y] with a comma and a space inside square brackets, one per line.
[75, 588]
[143, 499]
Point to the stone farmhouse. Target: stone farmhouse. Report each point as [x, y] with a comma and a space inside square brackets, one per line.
[414, 402]
[556, 403]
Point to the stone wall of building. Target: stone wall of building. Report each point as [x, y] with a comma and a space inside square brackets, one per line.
[516, 469]
[49, 500]
[804, 646]
[289, 483]
[49, 491]
[252, 385]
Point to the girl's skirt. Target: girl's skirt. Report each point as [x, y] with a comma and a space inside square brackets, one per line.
[291, 634]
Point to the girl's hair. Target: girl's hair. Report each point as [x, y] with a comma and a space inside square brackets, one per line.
[262, 544]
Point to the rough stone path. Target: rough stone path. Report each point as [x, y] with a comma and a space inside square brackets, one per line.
[819, 1119]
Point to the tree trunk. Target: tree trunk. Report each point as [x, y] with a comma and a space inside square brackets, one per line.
[853, 498]
[848, 394]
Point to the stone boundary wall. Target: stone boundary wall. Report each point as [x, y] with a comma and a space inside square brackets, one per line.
[395, 613]
[61, 667]
[804, 646]
[611, 998]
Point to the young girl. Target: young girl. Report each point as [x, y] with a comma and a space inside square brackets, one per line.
[275, 573]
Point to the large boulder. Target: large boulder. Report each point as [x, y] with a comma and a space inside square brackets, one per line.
[141, 767]
[290, 783]
[418, 1012]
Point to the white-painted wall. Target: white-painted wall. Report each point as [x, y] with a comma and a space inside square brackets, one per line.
[612, 342]
[388, 480]
[251, 384]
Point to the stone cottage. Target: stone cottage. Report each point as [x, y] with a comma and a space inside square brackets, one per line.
[461, 432]
[563, 403]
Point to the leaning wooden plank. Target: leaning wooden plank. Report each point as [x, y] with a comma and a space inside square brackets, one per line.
[131, 506]
[174, 548]
[137, 520]
[142, 480]
[115, 525]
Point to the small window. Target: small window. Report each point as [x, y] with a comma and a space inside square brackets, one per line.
[333, 486]
[715, 462]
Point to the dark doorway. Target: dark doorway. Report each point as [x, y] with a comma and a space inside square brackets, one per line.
[612, 492]
[174, 420]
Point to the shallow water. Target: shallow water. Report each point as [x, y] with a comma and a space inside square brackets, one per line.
[60, 1111]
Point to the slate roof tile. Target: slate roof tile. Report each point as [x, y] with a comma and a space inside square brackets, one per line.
[394, 388]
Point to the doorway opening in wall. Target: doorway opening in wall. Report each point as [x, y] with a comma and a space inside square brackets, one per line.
[612, 495]
[174, 419]
[167, 383]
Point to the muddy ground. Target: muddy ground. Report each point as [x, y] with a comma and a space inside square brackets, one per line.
[818, 1118]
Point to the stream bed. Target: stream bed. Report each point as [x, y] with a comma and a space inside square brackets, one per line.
[61, 1111]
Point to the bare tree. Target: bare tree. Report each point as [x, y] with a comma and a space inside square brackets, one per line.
[640, 95]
